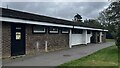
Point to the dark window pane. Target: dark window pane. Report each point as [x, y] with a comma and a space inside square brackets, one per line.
[18, 35]
[88, 32]
[65, 30]
[39, 29]
[53, 29]
[77, 31]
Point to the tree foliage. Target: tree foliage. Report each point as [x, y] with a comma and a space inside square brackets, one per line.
[110, 19]
[78, 18]
[118, 36]
[93, 23]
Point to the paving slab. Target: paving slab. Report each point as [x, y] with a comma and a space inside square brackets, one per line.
[59, 57]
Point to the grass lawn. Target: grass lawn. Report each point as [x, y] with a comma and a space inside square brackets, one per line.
[105, 57]
[110, 40]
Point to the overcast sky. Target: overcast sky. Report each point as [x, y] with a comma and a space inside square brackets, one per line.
[64, 10]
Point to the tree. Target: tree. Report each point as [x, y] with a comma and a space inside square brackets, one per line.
[102, 19]
[111, 17]
[77, 18]
[113, 12]
[118, 36]
[93, 23]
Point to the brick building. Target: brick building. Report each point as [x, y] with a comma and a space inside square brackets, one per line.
[27, 33]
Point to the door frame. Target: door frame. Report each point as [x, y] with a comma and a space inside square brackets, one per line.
[13, 30]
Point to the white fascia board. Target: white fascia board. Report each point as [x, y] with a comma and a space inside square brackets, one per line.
[106, 30]
[78, 27]
[44, 23]
[32, 22]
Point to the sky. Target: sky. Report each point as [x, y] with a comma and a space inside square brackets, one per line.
[62, 10]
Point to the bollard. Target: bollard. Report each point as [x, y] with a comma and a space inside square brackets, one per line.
[46, 45]
[37, 46]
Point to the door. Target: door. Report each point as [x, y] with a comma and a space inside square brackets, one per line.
[17, 39]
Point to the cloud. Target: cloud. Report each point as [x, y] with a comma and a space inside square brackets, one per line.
[65, 10]
[54, 0]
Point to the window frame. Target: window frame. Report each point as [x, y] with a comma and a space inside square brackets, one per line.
[18, 35]
[81, 31]
[52, 31]
[65, 32]
[37, 31]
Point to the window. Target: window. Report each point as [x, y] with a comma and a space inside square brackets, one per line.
[18, 35]
[65, 30]
[88, 32]
[77, 31]
[53, 30]
[39, 29]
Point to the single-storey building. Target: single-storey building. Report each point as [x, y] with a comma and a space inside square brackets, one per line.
[25, 33]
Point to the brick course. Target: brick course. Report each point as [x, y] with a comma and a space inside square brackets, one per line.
[6, 39]
[55, 41]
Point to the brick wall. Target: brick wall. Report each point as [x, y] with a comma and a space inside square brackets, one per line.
[0, 39]
[55, 41]
[6, 39]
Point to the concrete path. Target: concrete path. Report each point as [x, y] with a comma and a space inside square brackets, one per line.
[60, 57]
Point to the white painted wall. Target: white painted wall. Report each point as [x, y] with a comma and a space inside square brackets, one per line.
[84, 35]
[70, 39]
[89, 37]
[100, 37]
[76, 39]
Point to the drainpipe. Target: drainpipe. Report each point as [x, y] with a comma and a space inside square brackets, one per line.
[70, 38]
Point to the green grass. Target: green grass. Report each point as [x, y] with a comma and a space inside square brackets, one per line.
[110, 40]
[105, 57]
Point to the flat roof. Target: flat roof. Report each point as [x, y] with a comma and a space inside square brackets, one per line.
[40, 19]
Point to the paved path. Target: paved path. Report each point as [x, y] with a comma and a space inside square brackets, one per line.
[60, 57]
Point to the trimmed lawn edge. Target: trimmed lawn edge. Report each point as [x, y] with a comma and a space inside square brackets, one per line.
[106, 61]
